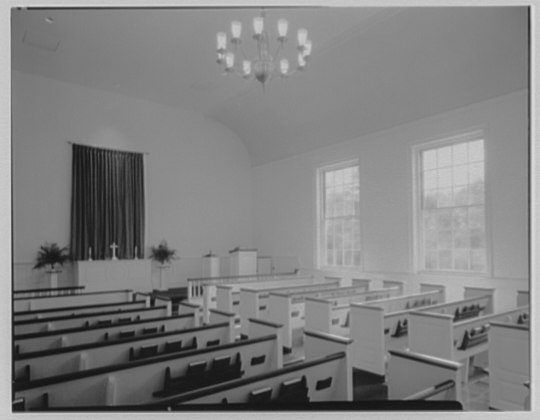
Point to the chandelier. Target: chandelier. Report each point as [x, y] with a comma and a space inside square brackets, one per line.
[266, 63]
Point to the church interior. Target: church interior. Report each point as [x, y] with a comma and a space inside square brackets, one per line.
[281, 208]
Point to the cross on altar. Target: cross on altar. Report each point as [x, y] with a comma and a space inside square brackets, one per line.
[113, 248]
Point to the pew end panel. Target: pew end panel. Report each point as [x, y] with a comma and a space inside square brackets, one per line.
[440, 288]
[217, 316]
[470, 291]
[367, 333]
[224, 298]
[522, 298]
[361, 282]
[209, 300]
[249, 307]
[279, 312]
[409, 373]
[318, 344]
[185, 308]
[260, 328]
[431, 333]
[387, 284]
[509, 363]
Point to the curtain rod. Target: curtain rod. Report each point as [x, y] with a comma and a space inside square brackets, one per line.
[108, 148]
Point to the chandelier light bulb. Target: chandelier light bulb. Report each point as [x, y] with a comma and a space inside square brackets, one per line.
[284, 66]
[246, 67]
[307, 49]
[301, 61]
[220, 57]
[258, 25]
[282, 27]
[236, 30]
[229, 60]
[221, 42]
[302, 37]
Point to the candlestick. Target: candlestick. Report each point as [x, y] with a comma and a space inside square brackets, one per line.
[90, 254]
[136, 257]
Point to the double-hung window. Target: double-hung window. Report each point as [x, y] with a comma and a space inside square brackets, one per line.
[339, 216]
[451, 205]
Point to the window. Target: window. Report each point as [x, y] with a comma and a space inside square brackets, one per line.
[451, 216]
[339, 222]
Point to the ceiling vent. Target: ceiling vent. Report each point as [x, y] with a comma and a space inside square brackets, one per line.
[41, 40]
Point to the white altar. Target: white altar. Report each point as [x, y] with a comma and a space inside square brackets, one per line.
[114, 275]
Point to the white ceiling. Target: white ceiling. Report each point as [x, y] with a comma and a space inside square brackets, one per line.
[371, 68]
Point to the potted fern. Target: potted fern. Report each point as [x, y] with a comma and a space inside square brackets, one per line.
[51, 255]
[163, 255]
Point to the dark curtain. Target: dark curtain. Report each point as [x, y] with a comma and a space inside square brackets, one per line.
[107, 203]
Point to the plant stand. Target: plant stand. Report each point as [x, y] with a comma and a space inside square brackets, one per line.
[161, 268]
[53, 278]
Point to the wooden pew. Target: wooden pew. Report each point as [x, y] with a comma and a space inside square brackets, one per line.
[413, 376]
[523, 298]
[135, 382]
[85, 320]
[333, 316]
[79, 310]
[53, 291]
[509, 364]
[442, 336]
[379, 325]
[73, 336]
[325, 375]
[210, 290]
[253, 302]
[89, 298]
[289, 308]
[46, 363]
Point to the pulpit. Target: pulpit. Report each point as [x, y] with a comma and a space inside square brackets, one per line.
[114, 275]
[243, 262]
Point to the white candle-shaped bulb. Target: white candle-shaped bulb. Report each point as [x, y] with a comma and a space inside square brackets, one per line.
[282, 27]
[220, 57]
[307, 48]
[229, 60]
[258, 25]
[301, 61]
[221, 41]
[236, 30]
[302, 36]
[246, 67]
[284, 66]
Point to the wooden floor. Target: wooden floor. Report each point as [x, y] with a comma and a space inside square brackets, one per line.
[476, 392]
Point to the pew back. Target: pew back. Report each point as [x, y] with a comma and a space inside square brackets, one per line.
[54, 362]
[79, 310]
[47, 302]
[70, 337]
[82, 320]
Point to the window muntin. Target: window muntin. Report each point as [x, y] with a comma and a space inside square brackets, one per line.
[452, 207]
[339, 227]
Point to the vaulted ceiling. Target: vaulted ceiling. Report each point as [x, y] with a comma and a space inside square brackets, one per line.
[371, 68]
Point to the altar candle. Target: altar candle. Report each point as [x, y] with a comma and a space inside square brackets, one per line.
[135, 252]
[90, 253]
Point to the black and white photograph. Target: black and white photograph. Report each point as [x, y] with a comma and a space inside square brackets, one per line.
[254, 208]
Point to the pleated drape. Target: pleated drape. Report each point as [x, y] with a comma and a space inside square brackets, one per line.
[107, 203]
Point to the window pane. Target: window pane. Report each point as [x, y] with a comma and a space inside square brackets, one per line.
[476, 193]
[430, 199]
[461, 239]
[460, 175]
[431, 260]
[445, 198]
[357, 258]
[429, 159]
[431, 239]
[444, 220]
[476, 150]
[461, 195]
[445, 239]
[329, 179]
[459, 153]
[476, 217]
[338, 177]
[430, 179]
[477, 238]
[459, 219]
[478, 262]
[348, 261]
[444, 178]
[461, 259]
[444, 157]
[445, 260]
[476, 173]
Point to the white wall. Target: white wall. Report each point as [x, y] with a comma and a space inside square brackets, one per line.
[285, 194]
[198, 172]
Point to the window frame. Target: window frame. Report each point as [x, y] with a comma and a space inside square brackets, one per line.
[418, 248]
[320, 250]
